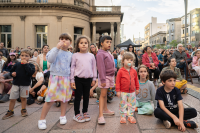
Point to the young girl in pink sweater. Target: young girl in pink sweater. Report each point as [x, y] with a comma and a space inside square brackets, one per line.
[83, 76]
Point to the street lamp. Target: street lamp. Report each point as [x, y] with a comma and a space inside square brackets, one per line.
[186, 4]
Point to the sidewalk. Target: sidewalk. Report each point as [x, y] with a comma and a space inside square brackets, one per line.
[145, 124]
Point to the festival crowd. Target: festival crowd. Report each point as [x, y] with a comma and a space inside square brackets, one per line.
[148, 81]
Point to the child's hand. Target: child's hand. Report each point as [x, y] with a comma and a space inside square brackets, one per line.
[39, 92]
[118, 94]
[14, 74]
[176, 121]
[181, 127]
[60, 45]
[24, 62]
[137, 92]
[73, 85]
[103, 84]
[91, 93]
[93, 83]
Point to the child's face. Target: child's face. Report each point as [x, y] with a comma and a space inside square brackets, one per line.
[106, 44]
[25, 56]
[83, 45]
[198, 54]
[12, 57]
[128, 63]
[143, 73]
[170, 83]
[173, 62]
[65, 41]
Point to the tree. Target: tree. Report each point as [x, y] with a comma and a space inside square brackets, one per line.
[173, 43]
[159, 46]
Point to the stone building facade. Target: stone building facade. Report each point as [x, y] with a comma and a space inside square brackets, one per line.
[37, 22]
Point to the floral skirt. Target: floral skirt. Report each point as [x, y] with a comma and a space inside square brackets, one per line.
[59, 89]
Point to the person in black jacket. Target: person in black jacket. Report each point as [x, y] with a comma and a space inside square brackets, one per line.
[130, 48]
[21, 73]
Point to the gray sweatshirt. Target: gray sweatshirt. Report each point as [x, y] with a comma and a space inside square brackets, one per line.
[179, 56]
[147, 93]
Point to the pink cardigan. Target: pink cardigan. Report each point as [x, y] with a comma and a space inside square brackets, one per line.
[194, 61]
[146, 61]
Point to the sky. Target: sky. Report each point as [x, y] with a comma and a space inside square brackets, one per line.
[138, 13]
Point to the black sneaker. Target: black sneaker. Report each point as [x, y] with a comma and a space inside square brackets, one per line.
[5, 98]
[1, 96]
[190, 124]
[71, 101]
[57, 104]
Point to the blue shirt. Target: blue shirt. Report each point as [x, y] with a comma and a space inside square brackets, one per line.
[160, 57]
[115, 63]
[60, 62]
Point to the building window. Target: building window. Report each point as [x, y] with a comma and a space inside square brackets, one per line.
[6, 35]
[77, 32]
[183, 32]
[187, 30]
[41, 1]
[5, 1]
[41, 35]
[195, 15]
[183, 21]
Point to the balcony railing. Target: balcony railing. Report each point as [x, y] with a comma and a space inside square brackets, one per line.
[79, 3]
[41, 1]
[183, 35]
[116, 9]
[5, 1]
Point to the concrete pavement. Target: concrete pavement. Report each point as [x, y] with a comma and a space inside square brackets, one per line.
[145, 124]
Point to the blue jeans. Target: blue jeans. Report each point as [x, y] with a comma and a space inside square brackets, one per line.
[160, 66]
[183, 65]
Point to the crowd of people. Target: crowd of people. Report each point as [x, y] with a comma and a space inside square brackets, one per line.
[66, 75]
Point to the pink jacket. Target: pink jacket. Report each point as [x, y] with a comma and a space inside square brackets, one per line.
[146, 61]
[194, 61]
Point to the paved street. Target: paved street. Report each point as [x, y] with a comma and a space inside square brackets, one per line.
[145, 124]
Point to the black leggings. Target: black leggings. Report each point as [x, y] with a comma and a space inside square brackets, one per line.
[156, 73]
[188, 114]
[82, 88]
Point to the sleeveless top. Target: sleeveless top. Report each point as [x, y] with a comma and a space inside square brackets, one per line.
[41, 62]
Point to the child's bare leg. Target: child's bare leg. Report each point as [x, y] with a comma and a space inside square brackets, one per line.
[183, 87]
[105, 108]
[23, 101]
[63, 108]
[45, 109]
[1, 88]
[102, 98]
[12, 104]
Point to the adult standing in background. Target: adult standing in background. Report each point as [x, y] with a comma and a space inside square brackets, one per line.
[4, 50]
[41, 59]
[130, 49]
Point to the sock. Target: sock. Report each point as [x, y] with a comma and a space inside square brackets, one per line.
[24, 109]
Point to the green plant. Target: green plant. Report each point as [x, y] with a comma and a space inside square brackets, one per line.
[159, 46]
[173, 43]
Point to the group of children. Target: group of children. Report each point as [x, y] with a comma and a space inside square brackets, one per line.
[79, 72]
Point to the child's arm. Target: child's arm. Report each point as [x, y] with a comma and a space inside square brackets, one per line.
[51, 55]
[153, 93]
[181, 113]
[175, 119]
[13, 69]
[42, 88]
[73, 66]
[94, 68]
[118, 83]
[40, 81]
[101, 69]
[137, 85]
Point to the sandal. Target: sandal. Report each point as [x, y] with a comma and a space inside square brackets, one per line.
[184, 91]
[131, 119]
[79, 118]
[86, 116]
[123, 120]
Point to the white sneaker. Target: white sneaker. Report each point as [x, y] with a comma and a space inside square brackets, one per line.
[42, 124]
[40, 99]
[63, 120]
[167, 124]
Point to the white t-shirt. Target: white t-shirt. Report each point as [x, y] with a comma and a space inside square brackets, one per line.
[1, 64]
